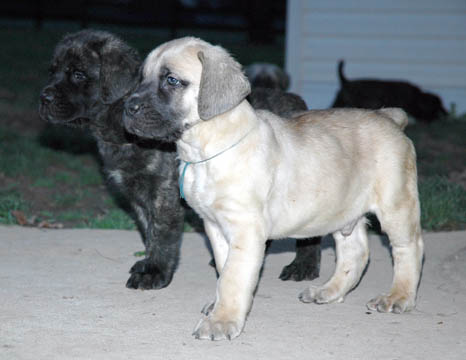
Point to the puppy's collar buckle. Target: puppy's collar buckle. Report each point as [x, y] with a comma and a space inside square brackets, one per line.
[187, 163]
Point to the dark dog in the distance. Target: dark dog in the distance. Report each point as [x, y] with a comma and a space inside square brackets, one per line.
[376, 94]
[90, 74]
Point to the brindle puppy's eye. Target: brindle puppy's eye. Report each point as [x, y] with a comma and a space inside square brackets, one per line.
[79, 75]
[173, 81]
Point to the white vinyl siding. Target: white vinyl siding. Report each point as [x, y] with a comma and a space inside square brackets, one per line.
[421, 41]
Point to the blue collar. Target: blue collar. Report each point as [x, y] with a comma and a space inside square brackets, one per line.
[187, 163]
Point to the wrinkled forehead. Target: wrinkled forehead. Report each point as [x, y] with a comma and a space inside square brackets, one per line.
[79, 55]
[178, 56]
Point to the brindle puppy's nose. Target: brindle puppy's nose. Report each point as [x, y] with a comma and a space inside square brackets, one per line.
[47, 96]
[133, 105]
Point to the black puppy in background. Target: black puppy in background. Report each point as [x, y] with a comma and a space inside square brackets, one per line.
[268, 85]
[90, 74]
[376, 94]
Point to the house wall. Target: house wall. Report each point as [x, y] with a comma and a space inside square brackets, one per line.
[421, 41]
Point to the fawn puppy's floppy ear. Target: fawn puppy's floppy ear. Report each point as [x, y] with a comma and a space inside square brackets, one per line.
[119, 70]
[223, 84]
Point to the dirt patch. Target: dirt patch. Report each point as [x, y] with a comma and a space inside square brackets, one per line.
[63, 203]
[58, 195]
[24, 122]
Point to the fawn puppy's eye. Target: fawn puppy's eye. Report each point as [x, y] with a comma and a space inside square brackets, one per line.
[173, 81]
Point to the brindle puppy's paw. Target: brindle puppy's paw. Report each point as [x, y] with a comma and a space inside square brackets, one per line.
[306, 264]
[145, 275]
[391, 303]
[210, 328]
[298, 271]
[320, 295]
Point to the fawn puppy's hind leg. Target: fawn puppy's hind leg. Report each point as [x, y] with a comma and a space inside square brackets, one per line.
[399, 215]
[352, 255]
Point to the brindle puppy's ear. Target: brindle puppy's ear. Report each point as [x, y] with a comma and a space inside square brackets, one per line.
[223, 84]
[119, 69]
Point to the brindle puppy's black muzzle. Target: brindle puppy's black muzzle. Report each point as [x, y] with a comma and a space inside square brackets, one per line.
[55, 107]
[47, 96]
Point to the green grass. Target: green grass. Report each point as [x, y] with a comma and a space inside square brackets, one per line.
[10, 200]
[70, 215]
[20, 155]
[454, 116]
[24, 155]
[67, 199]
[64, 177]
[44, 183]
[114, 219]
[443, 204]
[89, 177]
[434, 160]
[45, 214]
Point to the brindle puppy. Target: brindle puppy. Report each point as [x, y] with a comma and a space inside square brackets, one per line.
[90, 75]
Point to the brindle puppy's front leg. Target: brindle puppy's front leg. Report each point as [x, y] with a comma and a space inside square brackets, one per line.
[237, 282]
[163, 221]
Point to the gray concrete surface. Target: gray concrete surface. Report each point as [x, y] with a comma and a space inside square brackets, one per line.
[62, 296]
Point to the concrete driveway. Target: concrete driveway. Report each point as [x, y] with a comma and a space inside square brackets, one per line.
[63, 296]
